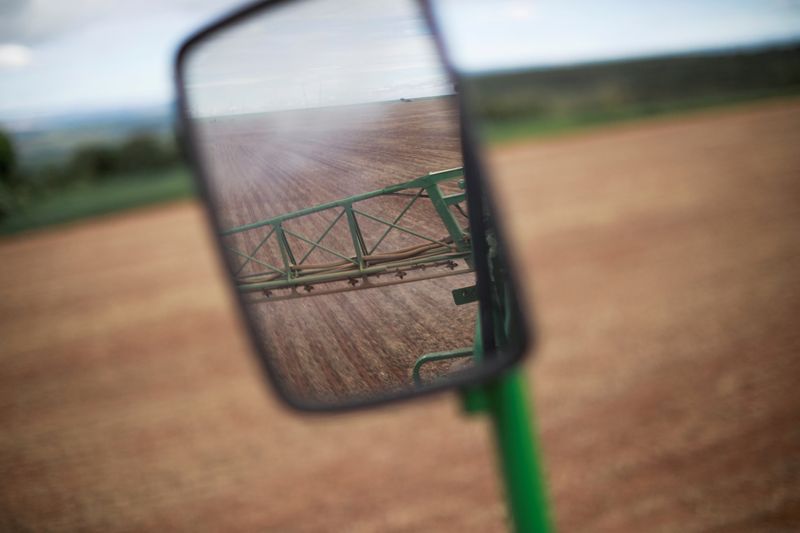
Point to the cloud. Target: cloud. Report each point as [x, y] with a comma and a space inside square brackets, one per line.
[31, 22]
[14, 56]
[98, 53]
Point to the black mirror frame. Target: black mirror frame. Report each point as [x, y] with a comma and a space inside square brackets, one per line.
[498, 362]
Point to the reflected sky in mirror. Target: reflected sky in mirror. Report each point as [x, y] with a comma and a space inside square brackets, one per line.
[306, 49]
[329, 134]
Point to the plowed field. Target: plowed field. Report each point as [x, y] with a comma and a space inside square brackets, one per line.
[265, 165]
[664, 260]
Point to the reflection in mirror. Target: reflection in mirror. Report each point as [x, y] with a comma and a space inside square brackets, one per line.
[329, 133]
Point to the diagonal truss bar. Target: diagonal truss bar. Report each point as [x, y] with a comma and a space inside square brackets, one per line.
[396, 220]
[422, 181]
[446, 216]
[286, 251]
[356, 236]
[363, 259]
[255, 251]
[397, 226]
[318, 245]
[262, 263]
[324, 234]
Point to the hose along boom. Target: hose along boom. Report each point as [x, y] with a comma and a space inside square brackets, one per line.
[358, 266]
[272, 269]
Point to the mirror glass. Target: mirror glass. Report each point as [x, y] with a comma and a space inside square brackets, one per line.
[328, 132]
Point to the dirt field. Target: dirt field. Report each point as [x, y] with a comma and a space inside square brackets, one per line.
[664, 258]
[264, 165]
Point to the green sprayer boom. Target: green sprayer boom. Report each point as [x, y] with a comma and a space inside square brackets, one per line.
[272, 268]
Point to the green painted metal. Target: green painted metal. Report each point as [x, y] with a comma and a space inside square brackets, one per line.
[254, 260]
[473, 399]
[322, 236]
[437, 356]
[255, 250]
[358, 261]
[450, 222]
[396, 220]
[359, 248]
[398, 227]
[465, 295]
[453, 199]
[516, 440]
[355, 234]
[381, 269]
[286, 251]
[416, 183]
[505, 400]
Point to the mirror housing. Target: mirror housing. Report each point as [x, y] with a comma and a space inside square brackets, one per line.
[495, 331]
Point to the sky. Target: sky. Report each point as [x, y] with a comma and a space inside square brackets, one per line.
[315, 54]
[546, 33]
[60, 56]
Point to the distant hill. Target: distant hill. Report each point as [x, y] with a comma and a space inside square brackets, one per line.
[44, 140]
[629, 88]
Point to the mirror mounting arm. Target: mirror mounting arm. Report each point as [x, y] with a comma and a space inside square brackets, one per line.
[505, 400]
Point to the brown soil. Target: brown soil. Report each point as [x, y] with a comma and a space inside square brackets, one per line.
[664, 260]
[362, 342]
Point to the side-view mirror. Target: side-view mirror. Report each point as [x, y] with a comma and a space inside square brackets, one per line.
[345, 193]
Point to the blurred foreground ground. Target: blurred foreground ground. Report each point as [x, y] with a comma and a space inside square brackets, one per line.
[664, 258]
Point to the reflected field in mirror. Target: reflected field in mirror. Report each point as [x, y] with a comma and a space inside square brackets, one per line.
[336, 179]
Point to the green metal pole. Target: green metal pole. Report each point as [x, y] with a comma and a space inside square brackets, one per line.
[515, 435]
[506, 401]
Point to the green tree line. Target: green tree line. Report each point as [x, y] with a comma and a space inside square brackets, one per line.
[642, 86]
[138, 155]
